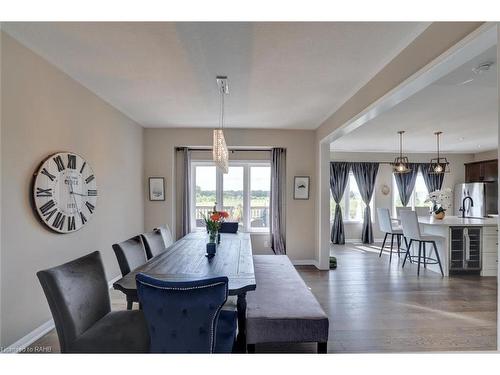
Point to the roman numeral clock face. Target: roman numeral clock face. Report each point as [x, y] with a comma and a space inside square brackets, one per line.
[65, 192]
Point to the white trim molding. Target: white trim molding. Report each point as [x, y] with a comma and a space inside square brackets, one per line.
[21, 344]
[305, 262]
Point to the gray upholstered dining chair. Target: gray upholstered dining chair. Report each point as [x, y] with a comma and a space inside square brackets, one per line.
[153, 243]
[166, 234]
[411, 231]
[386, 226]
[130, 255]
[78, 297]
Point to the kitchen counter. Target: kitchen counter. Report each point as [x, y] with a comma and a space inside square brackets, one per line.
[441, 228]
[452, 221]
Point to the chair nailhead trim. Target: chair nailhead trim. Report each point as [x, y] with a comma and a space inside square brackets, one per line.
[212, 338]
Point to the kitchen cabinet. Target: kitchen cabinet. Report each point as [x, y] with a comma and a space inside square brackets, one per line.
[489, 251]
[482, 171]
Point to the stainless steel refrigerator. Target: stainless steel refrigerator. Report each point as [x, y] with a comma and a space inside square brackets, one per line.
[484, 199]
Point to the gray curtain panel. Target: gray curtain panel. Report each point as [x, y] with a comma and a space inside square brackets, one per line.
[339, 173]
[277, 201]
[406, 182]
[433, 182]
[186, 195]
[365, 175]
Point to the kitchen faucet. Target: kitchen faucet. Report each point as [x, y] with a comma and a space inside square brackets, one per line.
[463, 205]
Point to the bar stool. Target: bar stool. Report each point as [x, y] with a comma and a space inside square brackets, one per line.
[411, 231]
[385, 224]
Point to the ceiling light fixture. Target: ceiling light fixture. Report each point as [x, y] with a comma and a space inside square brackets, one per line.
[481, 68]
[401, 164]
[439, 165]
[220, 151]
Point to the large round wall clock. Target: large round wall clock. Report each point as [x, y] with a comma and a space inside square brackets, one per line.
[65, 192]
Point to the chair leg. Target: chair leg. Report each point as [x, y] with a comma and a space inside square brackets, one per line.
[419, 255]
[322, 347]
[383, 244]
[398, 238]
[425, 255]
[392, 244]
[408, 247]
[251, 348]
[130, 303]
[437, 257]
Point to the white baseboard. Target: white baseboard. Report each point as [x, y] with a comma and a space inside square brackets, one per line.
[305, 262]
[30, 338]
[358, 240]
[40, 331]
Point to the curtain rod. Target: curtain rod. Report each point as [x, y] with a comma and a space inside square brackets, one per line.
[379, 162]
[231, 149]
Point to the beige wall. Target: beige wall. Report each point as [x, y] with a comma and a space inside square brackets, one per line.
[45, 111]
[384, 177]
[159, 160]
[487, 155]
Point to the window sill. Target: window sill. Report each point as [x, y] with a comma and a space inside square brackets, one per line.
[350, 221]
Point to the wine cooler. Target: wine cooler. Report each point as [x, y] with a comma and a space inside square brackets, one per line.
[465, 248]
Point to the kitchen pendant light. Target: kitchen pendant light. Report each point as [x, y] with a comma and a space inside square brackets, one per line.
[401, 164]
[439, 165]
[220, 151]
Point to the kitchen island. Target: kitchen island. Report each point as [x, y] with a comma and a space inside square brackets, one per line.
[470, 243]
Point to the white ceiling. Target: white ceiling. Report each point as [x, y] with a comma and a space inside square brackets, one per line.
[281, 75]
[466, 112]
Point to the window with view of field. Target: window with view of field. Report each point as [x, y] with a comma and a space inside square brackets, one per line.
[351, 204]
[244, 192]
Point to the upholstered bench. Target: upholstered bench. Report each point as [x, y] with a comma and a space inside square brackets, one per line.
[282, 308]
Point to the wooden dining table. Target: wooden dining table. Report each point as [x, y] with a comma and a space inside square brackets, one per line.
[186, 260]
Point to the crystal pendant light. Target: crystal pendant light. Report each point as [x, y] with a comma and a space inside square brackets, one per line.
[220, 151]
[401, 164]
[439, 165]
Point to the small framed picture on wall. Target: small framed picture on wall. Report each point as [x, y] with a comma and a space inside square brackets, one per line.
[156, 189]
[301, 187]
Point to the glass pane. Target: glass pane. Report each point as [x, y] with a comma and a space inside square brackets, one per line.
[342, 206]
[420, 192]
[260, 192]
[205, 196]
[232, 196]
[356, 205]
[396, 199]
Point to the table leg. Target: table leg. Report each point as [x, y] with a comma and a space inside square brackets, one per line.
[241, 340]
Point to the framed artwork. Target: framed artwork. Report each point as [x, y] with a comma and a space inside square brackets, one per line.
[301, 187]
[156, 189]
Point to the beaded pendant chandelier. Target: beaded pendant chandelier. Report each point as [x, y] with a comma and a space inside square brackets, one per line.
[220, 151]
[401, 164]
[439, 165]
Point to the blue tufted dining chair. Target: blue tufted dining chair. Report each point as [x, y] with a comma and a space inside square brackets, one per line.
[186, 317]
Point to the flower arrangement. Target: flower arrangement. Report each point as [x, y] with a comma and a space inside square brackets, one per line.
[213, 222]
[441, 201]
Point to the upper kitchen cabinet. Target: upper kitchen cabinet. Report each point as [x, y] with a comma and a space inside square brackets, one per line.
[482, 171]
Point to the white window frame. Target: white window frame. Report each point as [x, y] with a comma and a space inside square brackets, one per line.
[411, 202]
[219, 190]
[346, 204]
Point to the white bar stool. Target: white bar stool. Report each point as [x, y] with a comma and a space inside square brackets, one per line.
[385, 225]
[411, 231]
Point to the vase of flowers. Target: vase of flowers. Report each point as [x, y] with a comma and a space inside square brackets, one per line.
[213, 222]
[441, 201]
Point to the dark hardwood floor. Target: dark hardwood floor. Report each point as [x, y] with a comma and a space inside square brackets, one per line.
[375, 306]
